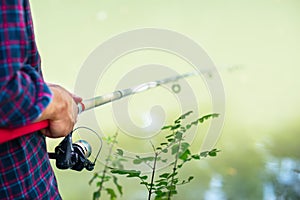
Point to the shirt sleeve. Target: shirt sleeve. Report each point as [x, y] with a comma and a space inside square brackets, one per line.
[23, 92]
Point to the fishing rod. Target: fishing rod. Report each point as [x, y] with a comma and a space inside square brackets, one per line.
[119, 94]
[74, 156]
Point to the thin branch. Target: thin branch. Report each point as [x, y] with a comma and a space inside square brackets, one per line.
[175, 167]
[152, 177]
[153, 147]
[106, 163]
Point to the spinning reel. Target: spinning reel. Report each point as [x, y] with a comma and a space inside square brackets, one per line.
[69, 155]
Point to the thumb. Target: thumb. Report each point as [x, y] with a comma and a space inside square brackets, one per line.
[76, 98]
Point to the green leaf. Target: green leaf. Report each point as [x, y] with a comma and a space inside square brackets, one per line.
[106, 178]
[173, 174]
[166, 127]
[120, 152]
[165, 150]
[214, 115]
[178, 135]
[150, 158]
[164, 143]
[175, 127]
[168, 136]
[164, 175]
[96, 195]
[184, 146]
[158, 192]
[177, 121]
[174, 149]
[212, 153]
[130, 173]
[107, 139]
[188, 126]
[204, 154]
[134, 174]
[171, 140]
[103, 179]
[196, 157]
[206, 117]
[93, 178]
[183, 116]
[174, 181]
[171, 187]
[173, 192]
[184, 156]
[216, 150]
[190, 178]
[119, 187]
[144, 183]
[143, 177]
[111, 193]
[119, 171]
[160, 180]
[162, 183]
[98, 184]
[137, 161]
[182, 129]
[160, 195]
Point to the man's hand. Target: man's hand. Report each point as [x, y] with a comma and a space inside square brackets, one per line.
[61, 112]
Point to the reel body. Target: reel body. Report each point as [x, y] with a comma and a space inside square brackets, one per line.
[69, 155]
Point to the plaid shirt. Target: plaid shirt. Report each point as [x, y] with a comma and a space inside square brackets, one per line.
[25, 170]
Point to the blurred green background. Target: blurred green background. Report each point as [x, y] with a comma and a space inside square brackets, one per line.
[255, 46]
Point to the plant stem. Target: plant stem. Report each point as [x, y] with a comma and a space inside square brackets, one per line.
[174, 168]
[152, 177]
[106, 163]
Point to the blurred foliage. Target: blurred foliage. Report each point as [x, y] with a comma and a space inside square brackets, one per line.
[162, 186]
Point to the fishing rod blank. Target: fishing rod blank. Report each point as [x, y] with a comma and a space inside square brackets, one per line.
[107, 98]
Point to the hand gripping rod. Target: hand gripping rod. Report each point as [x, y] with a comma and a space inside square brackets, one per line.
[7, 134]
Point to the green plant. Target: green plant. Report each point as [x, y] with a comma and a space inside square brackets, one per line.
[104, 175]
[163, 185]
